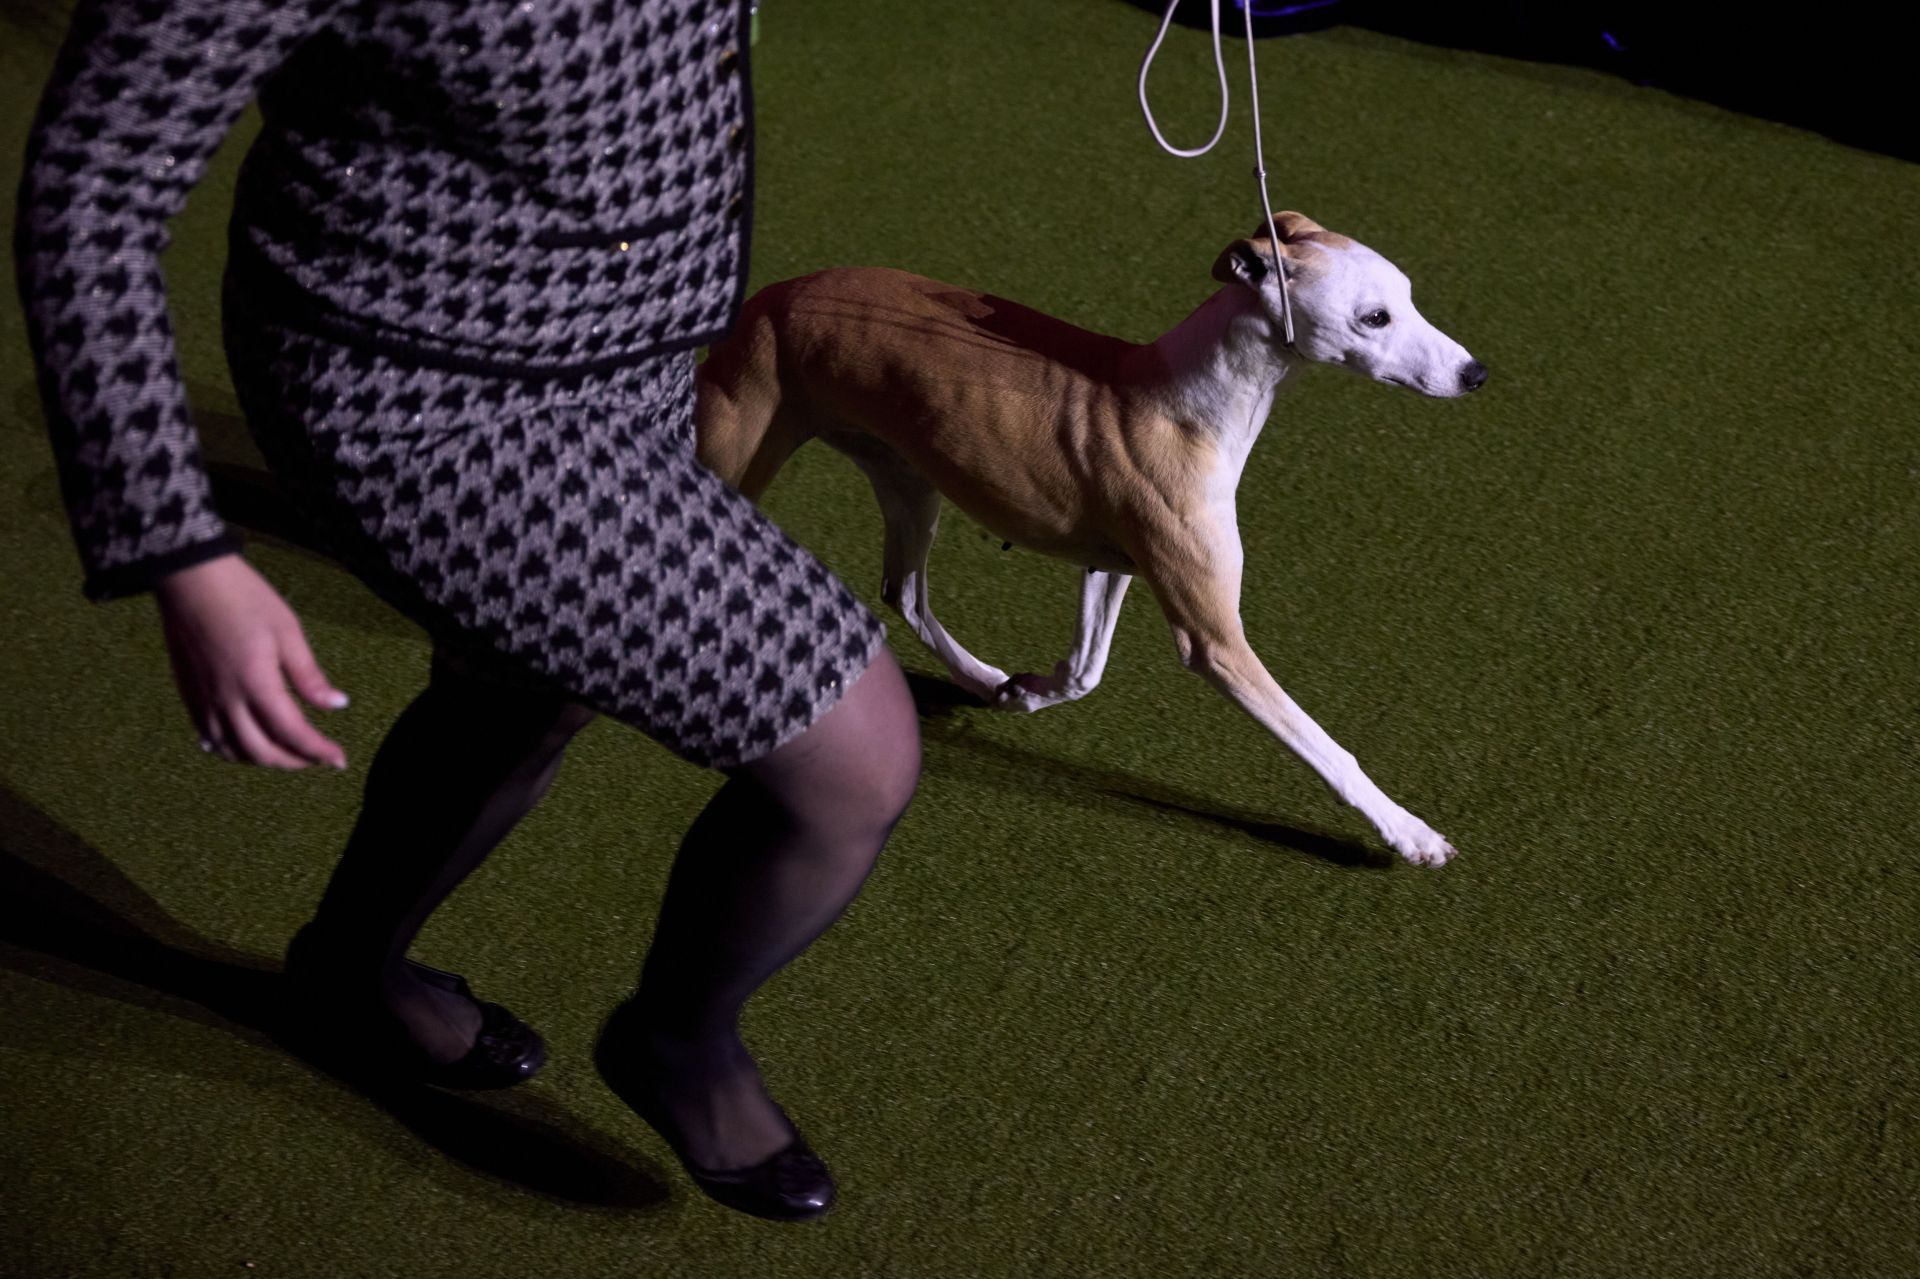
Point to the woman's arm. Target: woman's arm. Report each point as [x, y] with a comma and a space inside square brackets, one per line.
[141, 94]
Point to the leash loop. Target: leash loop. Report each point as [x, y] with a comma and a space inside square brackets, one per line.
[1259, 154]
[1220, 65]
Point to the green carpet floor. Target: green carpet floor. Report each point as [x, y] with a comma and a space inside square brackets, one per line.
[1129, 994]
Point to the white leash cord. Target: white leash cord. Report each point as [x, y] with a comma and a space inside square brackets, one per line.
[1259, 155]
[1220, 65]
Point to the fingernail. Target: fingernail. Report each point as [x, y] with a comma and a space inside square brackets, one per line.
[340, 764]
[337, 699]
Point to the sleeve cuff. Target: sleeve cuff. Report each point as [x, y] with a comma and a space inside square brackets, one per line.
[141, 576]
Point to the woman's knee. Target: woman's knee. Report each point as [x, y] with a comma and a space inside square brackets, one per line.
[861, 760]
[894, 732]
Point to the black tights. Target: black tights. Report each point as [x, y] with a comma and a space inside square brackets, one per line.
[768, 865]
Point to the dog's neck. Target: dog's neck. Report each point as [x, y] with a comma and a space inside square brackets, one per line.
[1219, 368]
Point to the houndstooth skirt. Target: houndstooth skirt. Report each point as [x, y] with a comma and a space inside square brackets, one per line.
[558, 532]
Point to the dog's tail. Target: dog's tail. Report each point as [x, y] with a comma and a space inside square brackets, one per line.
[745, 433]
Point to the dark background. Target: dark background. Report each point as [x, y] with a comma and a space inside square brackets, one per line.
[1841, 70]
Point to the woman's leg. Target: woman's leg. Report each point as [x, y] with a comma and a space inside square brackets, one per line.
[566, 525]
[769, 864]
[461, 766]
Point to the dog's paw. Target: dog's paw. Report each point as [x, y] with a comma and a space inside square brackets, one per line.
[1422, 845]
[1025, 693]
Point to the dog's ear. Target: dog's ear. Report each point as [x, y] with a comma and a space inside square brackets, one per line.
[1242, 262]
[1250, 262]
[1290, 226]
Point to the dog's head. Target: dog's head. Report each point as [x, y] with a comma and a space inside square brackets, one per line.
[1350, 306]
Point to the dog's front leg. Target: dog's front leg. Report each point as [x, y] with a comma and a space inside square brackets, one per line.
[1100, 596]
[1195, 574]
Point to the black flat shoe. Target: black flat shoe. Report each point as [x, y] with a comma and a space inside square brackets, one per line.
[792, 1184]
[359, 1040]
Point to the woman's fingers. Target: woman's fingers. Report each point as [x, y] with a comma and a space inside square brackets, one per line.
[305, 673]
[253, 744]
[215, 740]
[275, 711]
[239, 656]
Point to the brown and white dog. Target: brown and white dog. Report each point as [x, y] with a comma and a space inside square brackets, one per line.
[1114, 455]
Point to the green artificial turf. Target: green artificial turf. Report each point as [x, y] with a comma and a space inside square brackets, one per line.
[1129, 993]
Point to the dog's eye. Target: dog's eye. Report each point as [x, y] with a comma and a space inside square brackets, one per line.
[1376, 319]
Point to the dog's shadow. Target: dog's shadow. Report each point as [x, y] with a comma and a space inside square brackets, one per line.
[941, 702]
[69, 916]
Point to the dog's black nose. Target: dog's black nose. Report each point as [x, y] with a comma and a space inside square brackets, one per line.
[1473, 377]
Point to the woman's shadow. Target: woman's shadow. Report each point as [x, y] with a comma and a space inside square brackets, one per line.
[70, 917]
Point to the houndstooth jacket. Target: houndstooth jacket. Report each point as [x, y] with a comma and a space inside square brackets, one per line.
[529, 187]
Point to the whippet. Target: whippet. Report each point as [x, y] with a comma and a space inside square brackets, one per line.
[1117, 456]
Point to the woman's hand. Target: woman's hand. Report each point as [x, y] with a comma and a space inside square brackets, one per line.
[234, 645]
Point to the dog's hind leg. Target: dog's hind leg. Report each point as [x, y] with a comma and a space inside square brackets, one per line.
[1100, 596]
[912, 518]
[910, 507]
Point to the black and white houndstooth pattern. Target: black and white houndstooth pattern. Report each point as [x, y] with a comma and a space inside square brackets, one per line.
[564, 525]
[486, 183]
